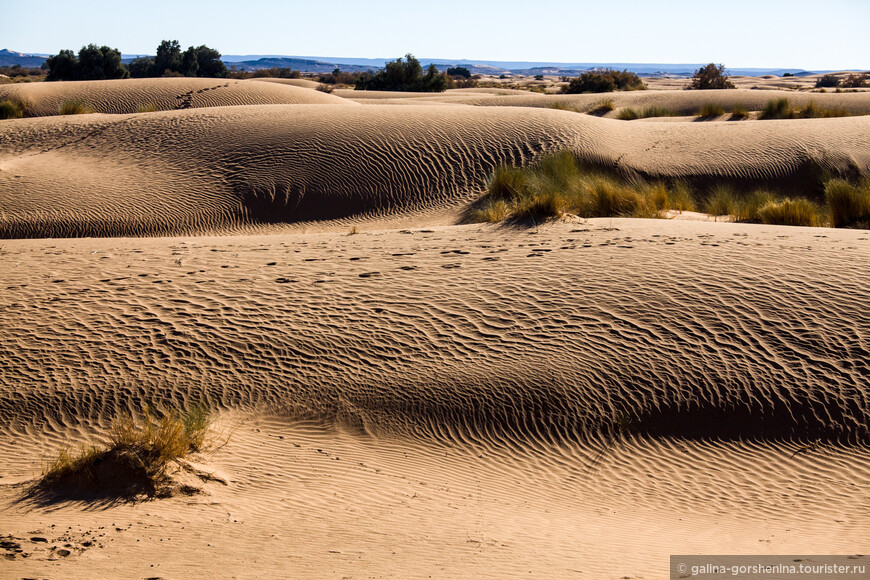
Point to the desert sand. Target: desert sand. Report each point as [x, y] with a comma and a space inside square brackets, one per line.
[400, 396]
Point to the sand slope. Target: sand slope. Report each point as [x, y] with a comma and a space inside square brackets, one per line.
[126, 96]
[178, 172]
[467, 377]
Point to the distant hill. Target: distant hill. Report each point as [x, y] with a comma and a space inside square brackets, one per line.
[11, 58]
[319, 64]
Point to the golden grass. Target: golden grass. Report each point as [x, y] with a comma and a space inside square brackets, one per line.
[847, 203]
[147, 108]
[710, 110]
[74, 107]
[630, 113]
[791, 212]
[12, 109]
[137, 455]
[738, 112]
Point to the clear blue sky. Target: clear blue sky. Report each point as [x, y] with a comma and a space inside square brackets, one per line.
[810, 34]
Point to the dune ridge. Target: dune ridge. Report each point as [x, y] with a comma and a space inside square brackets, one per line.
[176, 172]
[165, 94]
[505, 336]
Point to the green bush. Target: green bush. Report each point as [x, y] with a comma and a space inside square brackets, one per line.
[847, 203]
[827, 81]
[710, 77]
[604, 81]
[748, 208]
[791, 212]
[630, 114]
[407, 76]
[782, 109]
[93, 63]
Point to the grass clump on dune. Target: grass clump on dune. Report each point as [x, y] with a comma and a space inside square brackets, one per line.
[630, 113]
[738, 112]
[75, 107]
[711, 110]
[12, 109]
[147, 108]
[136, 458]
[847, 203]
[560, 184]
[602, 107]
[791, 212]
[782, 109]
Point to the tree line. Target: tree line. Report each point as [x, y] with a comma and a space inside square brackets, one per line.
[102, 62]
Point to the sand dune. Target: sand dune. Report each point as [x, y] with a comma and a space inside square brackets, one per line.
[542, 398]
[576, 399]
[175, 172]
[127, 96]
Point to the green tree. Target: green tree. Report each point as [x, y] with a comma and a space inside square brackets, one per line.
[141, 67]
[711, 76]
[62, 67]
[209, 63]
[99, 63]
[459, 71]
[189, 63]
[168, 58]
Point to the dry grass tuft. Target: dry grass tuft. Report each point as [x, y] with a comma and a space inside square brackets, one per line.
[12, 109]
[738, 112]
[711, 110]
[791, 212]
[136, 458]
[74, 107]
[147, 108]
[847, 203]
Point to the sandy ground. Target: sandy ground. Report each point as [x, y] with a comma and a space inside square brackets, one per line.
[398, 396]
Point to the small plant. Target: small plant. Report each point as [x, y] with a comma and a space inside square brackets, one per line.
[12, 109]
[722, 201]
[74, 107]
[559, 106]
[782, 109]
[137, 457]
[738, 112]
[847, 203]
[147, 108]
[791, 212]
[776, 109]
[491, 211]
[748, 208]
[711, 110]
[710, 77]
[324, 88]
[827, 81]
[602, 108]
[628, 114]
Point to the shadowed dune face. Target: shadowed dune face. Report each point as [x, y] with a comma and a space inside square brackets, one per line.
[164, 94]
[463, 334]
[214, 169]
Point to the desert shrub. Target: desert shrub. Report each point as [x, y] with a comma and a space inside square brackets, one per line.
[776, 109]
[337, 77]
[710, 110]
[137, 455]
[847, 203]
[604, 81]
[827, 81]
[507, 182]
[407, 75]
[12, 109]
[628, 114]
[854, 81]
[74, 107]
[490, 211]
[739, 112]
[722, 201]
[710, 77]
[458, 71]
[791, 212]
[323, 88]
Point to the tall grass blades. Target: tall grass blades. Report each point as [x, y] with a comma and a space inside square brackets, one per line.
[12, 109]
[847, 203]
[75, 107]
[791, 212]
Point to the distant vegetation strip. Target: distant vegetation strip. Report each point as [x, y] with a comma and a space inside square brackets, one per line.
[560, 184]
